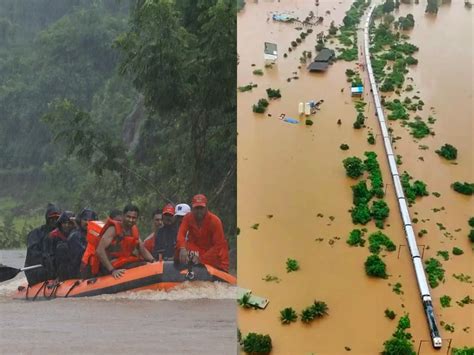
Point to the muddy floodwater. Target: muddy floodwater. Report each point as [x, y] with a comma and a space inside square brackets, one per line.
[288, 174]
[191, 320]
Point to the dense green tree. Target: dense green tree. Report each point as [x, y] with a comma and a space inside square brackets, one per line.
[465, 188]
[254, 343]
[163, 130]
[448, 152]
[360, 193]
[379, 212]
[361, 214]
[374, 266]
[388, 6]
[354, 167]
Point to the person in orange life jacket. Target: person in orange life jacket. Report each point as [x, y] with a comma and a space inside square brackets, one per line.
[56, 250]
[77, 241]
[163, 241]
[157, 223]
[202, 233]
[34, 251]
[121, 247]
[90, 265]
[181, 210]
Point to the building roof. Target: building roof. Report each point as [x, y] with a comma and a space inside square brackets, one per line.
[357, 89]
[318, 66]
[270, 48]
[324, 55]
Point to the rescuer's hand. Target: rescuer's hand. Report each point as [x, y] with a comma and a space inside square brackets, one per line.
[183, 256]
[195, 258]
[117, 273]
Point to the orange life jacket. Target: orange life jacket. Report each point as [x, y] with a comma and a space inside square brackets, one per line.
[119, 252]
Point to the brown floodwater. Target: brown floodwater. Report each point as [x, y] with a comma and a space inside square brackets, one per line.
[294, 173]
[189, 320]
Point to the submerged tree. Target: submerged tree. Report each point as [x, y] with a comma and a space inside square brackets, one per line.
[288, 315]
[448, 152]
[374, 266]
[432, 6]
[254, 343]
[400, 343]
[354, 167]
[464, 188]
[388, 6]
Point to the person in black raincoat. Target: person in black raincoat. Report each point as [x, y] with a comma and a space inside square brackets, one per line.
[34, 252]
[163, 241]
[77, 241]
[56, 250]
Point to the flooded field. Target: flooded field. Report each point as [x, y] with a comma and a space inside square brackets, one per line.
[291, 183]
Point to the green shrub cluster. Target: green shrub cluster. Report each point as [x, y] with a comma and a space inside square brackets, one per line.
[371, 138]
[445, 301]
[412, 191]
[361, 214]
[464, 188]
[255, 344]
[375, 267]
[375, 174]
[360, 193]
[354, 167]
[379, 212]
[398, 110]
[360, 120]
[288, 315]
[377, 240]
[448, 152]
[318, 309]
[390, 314]
[463, 351]
[292, 265]
[400, 343]
[248, 87]
[273, 93]
[356, 238]
[261, 106]
[435, 272]
[406, 23]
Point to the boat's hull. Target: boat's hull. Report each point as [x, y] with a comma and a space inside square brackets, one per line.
[155, 276]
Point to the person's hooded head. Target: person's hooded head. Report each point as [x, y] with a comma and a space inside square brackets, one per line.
[84, 217]
[51, 216]
[65, 222]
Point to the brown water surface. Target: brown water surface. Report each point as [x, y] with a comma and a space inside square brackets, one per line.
[191, 320]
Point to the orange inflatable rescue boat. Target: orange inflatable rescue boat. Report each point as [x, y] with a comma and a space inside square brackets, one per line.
[160, 275]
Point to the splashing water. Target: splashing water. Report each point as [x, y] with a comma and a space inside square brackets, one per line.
[8, 288]
[186, 291]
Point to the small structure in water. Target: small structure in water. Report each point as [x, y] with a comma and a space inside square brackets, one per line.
[283, 18]
[270, 52]
[357, 90]
[322, 60]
